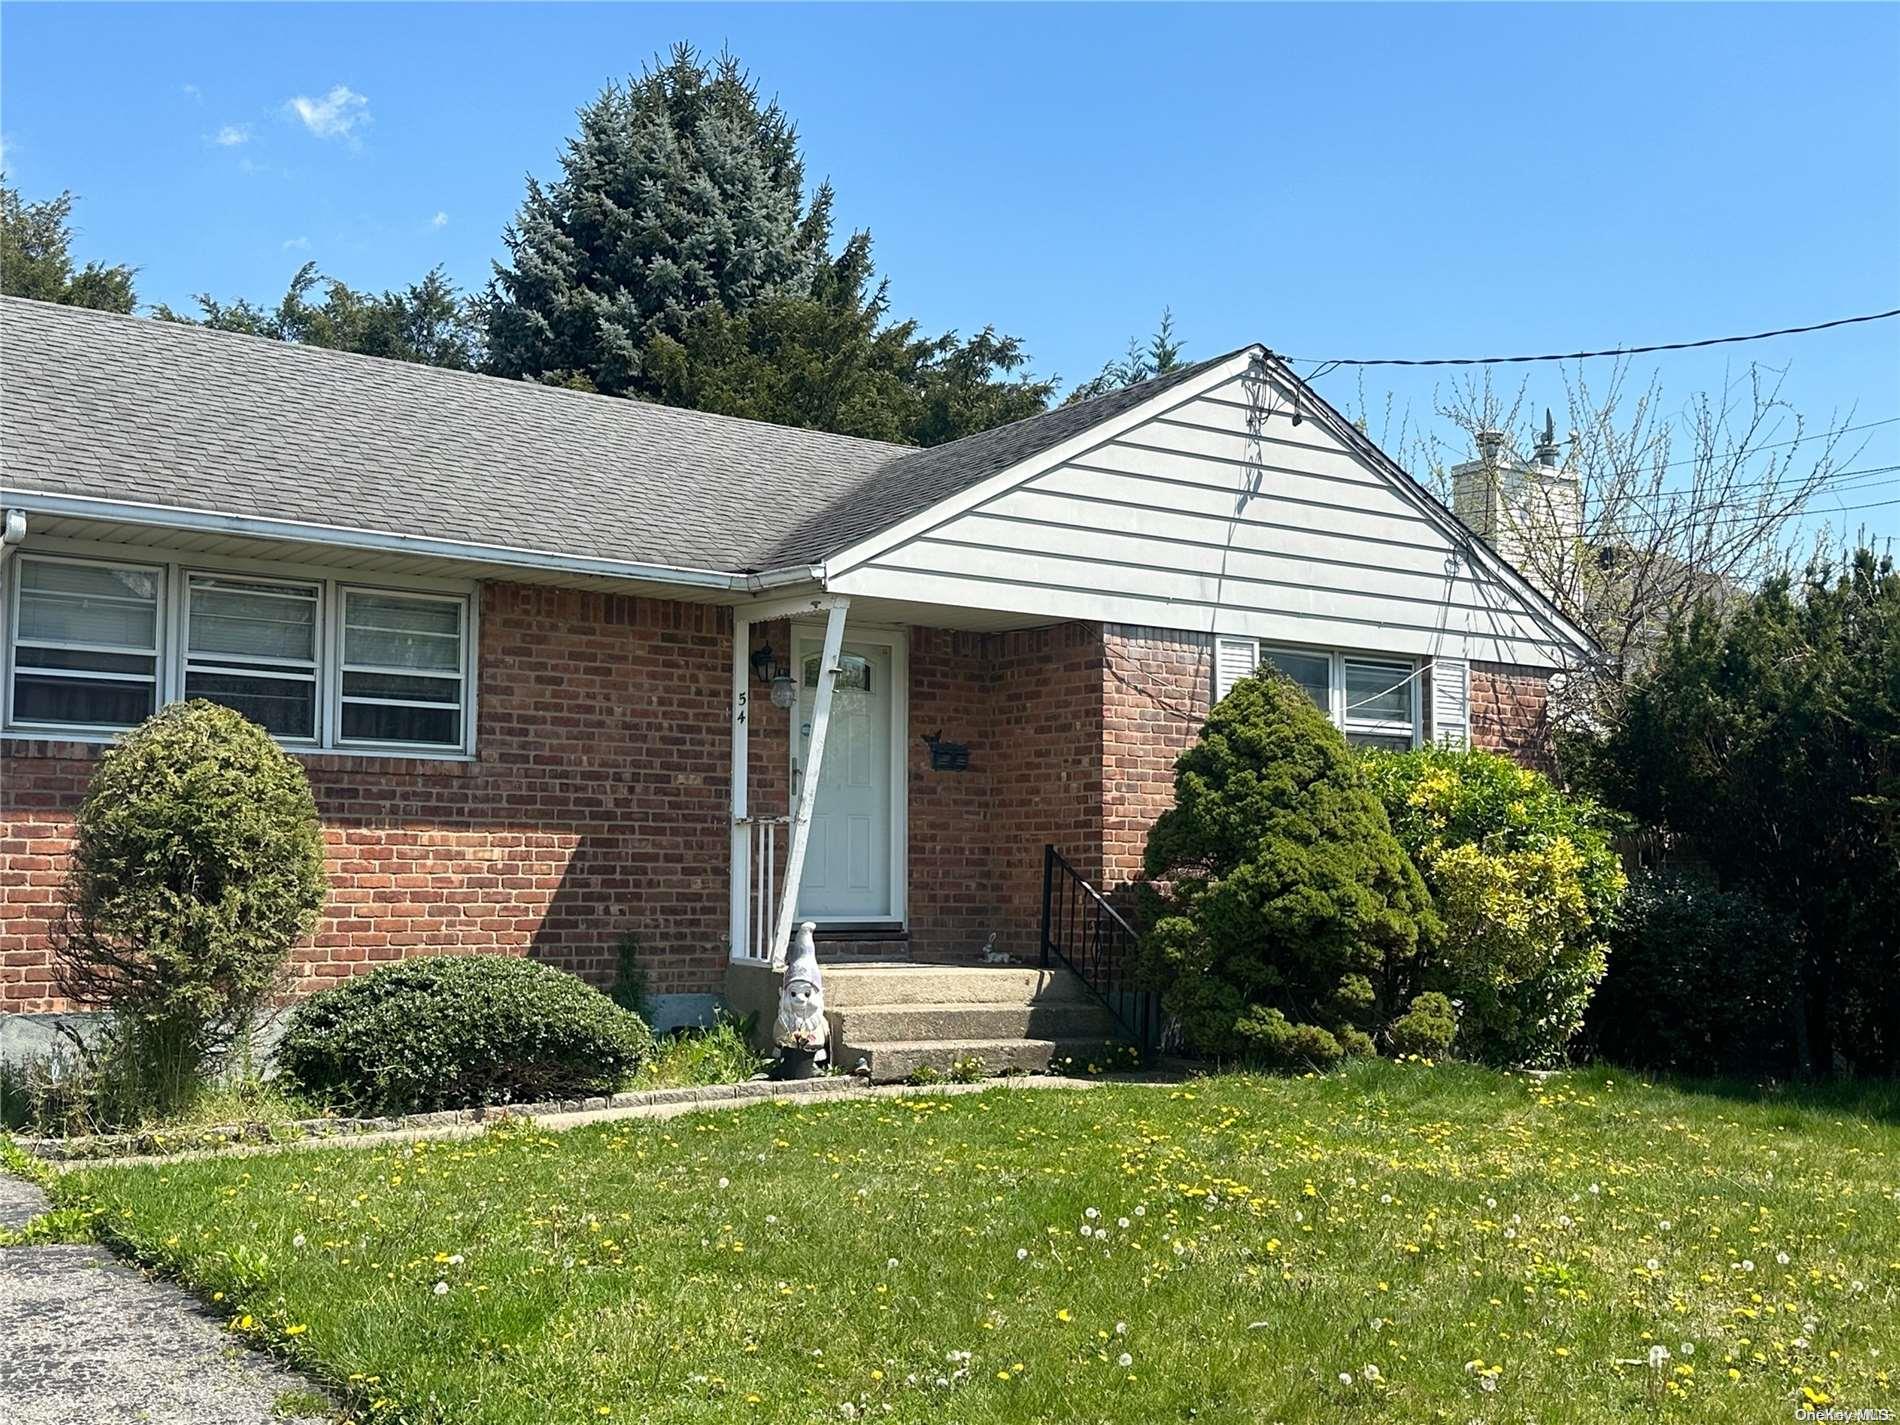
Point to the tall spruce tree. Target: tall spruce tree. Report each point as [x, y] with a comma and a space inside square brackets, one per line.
[677, 259]
[680, 192]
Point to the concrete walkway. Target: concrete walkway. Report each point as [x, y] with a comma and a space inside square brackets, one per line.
[90, 1340]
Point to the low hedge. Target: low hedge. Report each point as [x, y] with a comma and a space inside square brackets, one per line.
[458, 1031]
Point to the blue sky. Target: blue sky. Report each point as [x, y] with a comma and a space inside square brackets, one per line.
[1405, 180]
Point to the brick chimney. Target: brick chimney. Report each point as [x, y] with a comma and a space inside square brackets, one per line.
[1528, 510]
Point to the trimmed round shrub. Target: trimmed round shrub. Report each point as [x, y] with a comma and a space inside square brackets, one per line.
[1527, 884]
[1427, 1028]
[1701, 981]
[197, 865]
[1290, 923]
[457, 1031]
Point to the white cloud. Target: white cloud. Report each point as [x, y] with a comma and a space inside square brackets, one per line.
[231, 135]
[337, 115]
[193, 92]
[297, 244]
[440, 220]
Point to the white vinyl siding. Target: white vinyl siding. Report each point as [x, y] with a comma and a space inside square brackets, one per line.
[1220, 514]
[85, 643]
[95, 645]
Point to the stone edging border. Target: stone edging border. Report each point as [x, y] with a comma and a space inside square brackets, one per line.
[564, 1113]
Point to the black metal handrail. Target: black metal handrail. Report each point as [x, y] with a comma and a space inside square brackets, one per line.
[1088, 935]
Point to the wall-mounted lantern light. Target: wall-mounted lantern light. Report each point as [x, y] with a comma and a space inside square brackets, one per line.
[767, 669]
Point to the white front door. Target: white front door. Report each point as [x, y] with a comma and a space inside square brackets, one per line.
[850, 854]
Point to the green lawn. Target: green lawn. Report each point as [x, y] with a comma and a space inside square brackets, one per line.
[1392, 1243]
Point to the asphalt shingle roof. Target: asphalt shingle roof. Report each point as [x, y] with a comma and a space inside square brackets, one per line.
[104, 406]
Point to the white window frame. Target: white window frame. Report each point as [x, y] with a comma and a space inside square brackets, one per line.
[188, 664]
[1336, 661]
[464, 679]
[1407, 670]
[173, 656]
[14, 584]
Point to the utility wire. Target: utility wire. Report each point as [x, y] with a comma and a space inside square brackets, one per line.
[1821, 483]
[1773, 444]
[1325, 366]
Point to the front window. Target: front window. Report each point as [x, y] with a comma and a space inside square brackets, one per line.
[402, 669]
[252, 645]
[85, 644]
[1374, 701]
[1379, 702]
[95, 646]
[1312, 671]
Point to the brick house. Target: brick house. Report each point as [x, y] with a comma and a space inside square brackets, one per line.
[568, 669]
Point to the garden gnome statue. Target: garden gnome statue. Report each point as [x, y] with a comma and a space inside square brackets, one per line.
[800, 1031]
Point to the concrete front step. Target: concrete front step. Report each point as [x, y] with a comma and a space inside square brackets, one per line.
[1053, 1018]
[894, 1060]
[919, 984]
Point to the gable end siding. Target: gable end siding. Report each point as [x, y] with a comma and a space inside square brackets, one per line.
[1220, 515]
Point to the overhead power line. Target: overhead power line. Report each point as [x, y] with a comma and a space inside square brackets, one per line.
[1325, 366]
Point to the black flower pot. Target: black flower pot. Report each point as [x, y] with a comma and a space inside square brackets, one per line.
[794, 1063]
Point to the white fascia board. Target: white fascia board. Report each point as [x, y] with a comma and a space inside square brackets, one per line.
[795, 606]
[345, 537]
[1084, 440]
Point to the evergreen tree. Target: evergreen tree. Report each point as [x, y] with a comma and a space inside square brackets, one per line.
[1766, 744]
[1161, 355]
[681, 191]
[833, 362]
[1294, 926]
[429, 322]
[36, 259]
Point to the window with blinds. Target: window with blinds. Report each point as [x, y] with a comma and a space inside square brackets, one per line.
[1375, 701]
[251, 644]
[95, 646]
[401, 669]
[85, 643]
[1381, 702]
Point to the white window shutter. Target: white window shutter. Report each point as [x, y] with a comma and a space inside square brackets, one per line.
[1234, 659]
[1451, 702]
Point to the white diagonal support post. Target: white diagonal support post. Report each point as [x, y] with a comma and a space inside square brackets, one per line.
[739, 931]
[808, 782]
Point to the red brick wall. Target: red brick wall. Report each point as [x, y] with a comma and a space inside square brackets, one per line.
[597, 807]
[1028, 706]
[1510, 712]
[1157, 689]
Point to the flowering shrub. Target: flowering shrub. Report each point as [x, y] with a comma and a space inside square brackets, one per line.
[1292, 923]
[1527, 884]
[454, 1031]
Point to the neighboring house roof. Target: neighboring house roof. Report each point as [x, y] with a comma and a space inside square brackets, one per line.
[111, 407]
